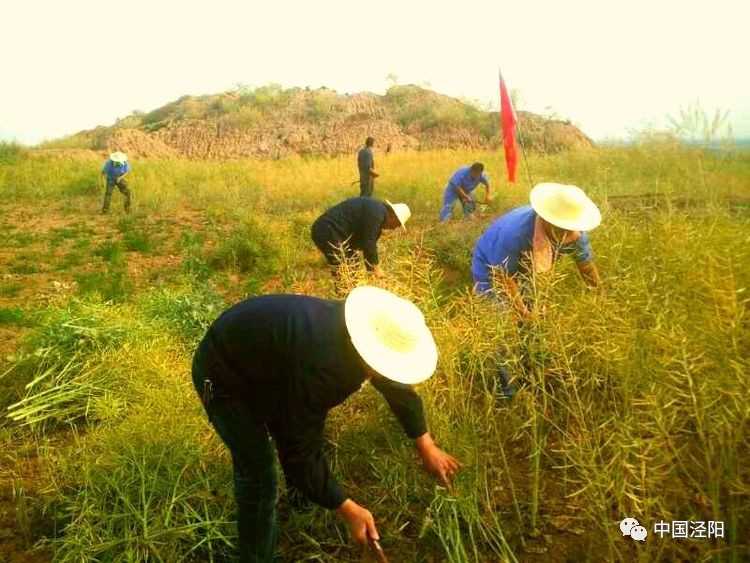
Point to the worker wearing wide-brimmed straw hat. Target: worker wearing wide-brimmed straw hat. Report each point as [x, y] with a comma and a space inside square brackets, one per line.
[275, 365]
[530, 238]
[527, 240]
[356, 224]
[113, 173]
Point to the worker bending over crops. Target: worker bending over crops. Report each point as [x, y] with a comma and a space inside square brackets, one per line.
[273, 366]
[460, 187]
[113, 173]
[528, 239]
[356, 224]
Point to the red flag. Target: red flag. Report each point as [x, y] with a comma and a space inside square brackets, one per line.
[508, 124]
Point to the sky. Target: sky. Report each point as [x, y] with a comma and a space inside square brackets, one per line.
[609, 67]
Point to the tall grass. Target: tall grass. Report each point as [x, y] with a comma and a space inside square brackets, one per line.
[632, 401]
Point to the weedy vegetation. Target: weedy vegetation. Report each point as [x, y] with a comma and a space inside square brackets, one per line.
[632, 400]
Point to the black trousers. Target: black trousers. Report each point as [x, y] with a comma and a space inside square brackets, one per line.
[333, 248]
[254, 463]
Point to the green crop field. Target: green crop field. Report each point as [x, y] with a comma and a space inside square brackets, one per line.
[633, 401]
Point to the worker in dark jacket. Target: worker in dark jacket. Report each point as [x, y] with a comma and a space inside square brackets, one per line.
[275, 365]
[366, 165]
[356, 224]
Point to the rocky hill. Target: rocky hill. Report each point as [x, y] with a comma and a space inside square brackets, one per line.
[272, 122]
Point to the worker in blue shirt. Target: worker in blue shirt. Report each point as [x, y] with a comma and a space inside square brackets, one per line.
[270, 368]
[113, 173]
[460, 187]
[527, 240]
[366, 166]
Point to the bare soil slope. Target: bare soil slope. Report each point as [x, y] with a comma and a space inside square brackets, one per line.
[271, 122]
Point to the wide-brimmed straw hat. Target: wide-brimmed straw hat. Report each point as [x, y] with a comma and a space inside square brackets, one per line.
[390, 335]
[118, 156]
[565, 206]
[401, 211]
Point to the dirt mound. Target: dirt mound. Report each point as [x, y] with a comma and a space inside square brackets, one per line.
[551, 135]
[272, 122]
[206, 139]
[136, 143]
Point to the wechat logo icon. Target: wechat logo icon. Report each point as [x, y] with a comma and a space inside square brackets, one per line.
[631, 527]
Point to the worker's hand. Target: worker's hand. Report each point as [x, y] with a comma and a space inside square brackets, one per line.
[378, 272]
[359, 520]
[374, 174]
[441, 464]
[487, 200]
[524, 313]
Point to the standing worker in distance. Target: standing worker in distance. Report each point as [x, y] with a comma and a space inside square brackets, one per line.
[113, 174]
[366, 165]
[356, 224]
[273, 366]
[460, 187]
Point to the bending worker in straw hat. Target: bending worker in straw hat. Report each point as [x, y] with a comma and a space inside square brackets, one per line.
[530, 238]
[527, 240]
[113, 173]
[460, 187]
[275, 365]
[356, 224]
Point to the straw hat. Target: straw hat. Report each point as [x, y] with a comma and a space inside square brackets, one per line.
[565, 206]
[118, 156]
[402, 212]
[390, 335]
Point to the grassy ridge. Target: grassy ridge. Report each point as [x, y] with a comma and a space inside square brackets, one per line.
[634, 400]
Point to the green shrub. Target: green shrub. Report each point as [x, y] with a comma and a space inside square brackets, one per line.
[10, 288]
[248, 249]
[111, 251]
[146, 493]
[63, 374]
[112, 283]
[25, 268]
[188, 312]
[135, 236]
[10, 152]
[12, 316]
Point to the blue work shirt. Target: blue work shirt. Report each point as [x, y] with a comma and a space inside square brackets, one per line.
[508, 244]
[113, 170]
[462, 179]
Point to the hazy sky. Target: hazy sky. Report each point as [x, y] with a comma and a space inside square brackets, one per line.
[607, 66]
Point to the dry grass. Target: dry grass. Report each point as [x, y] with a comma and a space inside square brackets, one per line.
[633, 401]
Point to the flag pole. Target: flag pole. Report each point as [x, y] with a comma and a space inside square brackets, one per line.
[523, 152]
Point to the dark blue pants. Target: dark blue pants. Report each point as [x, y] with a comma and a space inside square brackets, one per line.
[124, 190]
[255, 477]
[366, 185]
